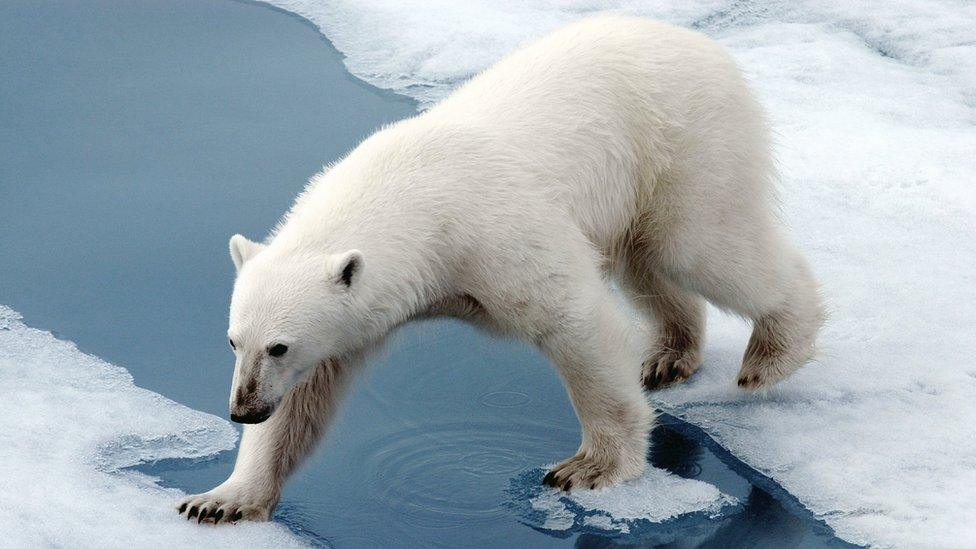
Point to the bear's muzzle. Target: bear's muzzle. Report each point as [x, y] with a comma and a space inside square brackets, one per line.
[252, 416]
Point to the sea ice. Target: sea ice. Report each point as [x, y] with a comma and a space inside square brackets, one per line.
[873, 107]
[72, 423]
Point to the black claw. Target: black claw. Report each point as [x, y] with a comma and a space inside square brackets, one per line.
[550, 479]
[664, 374]
[651, 382]
[568, 486]
[192, 513]
[238, 516]
[593, 486]
[746, 381]
[218, 515]
[181, 509]
[202, 515]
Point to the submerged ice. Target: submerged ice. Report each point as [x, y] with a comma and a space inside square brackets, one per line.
[874, 110]
[73, 423]
[656, 507]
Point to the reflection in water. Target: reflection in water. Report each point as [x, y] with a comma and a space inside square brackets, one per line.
[672, 451]
[763, 520]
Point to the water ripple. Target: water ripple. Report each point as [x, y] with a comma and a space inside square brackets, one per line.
[442, 475]
[505, 399]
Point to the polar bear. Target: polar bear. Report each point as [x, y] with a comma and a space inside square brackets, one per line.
[614, 149]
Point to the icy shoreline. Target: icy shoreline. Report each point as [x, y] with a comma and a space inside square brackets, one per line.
[74, 424]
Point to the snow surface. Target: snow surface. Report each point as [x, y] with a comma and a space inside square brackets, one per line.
[71, 424]
[874, 106]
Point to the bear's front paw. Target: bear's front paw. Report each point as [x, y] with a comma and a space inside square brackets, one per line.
[591, 472]
[226, 504]
[667, 366]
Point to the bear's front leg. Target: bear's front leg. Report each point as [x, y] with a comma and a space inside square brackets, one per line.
[236, 499]
[596, 348]
[271, 450]
[252, 490]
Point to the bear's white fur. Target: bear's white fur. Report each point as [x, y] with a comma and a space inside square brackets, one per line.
[613, 149]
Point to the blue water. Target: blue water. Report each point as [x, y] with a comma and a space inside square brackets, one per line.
[137, 136]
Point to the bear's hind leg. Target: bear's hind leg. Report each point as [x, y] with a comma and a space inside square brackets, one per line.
[680, 317]
[783, 337]
[760, 276]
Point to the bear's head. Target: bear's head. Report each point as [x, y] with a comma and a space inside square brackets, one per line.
[290, 312]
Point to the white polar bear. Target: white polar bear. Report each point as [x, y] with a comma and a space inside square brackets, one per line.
[615, 148]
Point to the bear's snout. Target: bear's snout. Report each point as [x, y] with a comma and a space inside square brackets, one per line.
[252, 415]
[247, 407]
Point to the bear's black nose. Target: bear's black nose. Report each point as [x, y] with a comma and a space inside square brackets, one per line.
[252, 416]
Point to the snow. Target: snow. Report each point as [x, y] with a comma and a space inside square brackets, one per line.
[874, 106]
[642, 504]
[424, 48]
[72, 424]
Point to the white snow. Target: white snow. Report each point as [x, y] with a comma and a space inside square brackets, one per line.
[71, 423]
[657, 496]
[874, 106]
[424, 48]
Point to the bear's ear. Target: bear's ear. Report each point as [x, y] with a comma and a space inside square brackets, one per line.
[346, 268]
[242, 249]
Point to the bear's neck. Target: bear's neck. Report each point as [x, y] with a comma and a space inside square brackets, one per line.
[399, 231]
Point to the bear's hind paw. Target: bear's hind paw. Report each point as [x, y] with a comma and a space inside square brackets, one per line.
[667, 367]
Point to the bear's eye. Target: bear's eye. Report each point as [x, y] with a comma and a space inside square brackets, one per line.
[232, 346]
[278, 350]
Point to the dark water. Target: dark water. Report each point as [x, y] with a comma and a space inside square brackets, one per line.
[137, 136]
